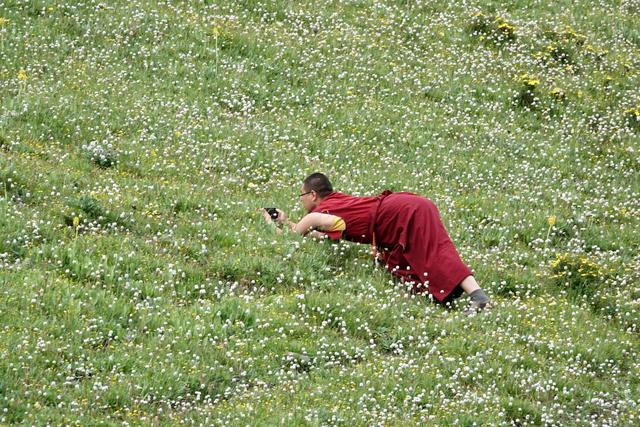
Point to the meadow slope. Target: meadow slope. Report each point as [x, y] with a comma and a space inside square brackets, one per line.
[139, 286]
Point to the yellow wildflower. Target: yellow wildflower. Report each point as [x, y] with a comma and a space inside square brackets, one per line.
[529, 80]
[506, 27]
[22, 75]
[557, 93]
[633, 111]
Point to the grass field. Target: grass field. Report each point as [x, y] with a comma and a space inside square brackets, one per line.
[138, 139]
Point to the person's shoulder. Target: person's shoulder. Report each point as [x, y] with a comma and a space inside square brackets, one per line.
[330, 201]
[335, 195]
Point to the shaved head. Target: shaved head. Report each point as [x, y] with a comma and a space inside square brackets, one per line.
[319, 183]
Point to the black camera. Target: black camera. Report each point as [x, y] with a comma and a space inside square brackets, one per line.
[273, 212]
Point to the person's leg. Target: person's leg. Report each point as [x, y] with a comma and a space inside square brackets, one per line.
[469, 284]
[479, 300]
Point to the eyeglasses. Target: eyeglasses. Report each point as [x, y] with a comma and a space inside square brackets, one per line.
[304, 194]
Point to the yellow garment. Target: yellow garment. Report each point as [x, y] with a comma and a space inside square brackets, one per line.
[338, 224]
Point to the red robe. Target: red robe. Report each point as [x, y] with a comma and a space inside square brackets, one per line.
[409, 233]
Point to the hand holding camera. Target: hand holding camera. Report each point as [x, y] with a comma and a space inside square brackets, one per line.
[274, 215]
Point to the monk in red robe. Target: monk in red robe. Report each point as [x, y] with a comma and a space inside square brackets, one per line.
[404, 229]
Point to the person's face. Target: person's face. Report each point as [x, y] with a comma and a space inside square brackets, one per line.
[309, 199]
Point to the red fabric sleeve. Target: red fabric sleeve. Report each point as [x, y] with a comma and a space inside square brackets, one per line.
[333, 235]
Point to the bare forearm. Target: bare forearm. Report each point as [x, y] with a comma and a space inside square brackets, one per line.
[299, 228]
[291, 226]
[312, 224]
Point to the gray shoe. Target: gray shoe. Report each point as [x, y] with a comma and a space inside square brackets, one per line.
[476, 307]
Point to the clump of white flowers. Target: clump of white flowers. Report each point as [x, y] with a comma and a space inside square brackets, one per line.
[102, 153]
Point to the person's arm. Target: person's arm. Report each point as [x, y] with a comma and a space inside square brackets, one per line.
[321, 226]
[313, 221]
[311, 224]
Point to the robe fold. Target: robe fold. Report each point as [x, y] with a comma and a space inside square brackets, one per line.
[413, 243]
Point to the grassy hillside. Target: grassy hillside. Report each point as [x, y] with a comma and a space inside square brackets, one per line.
[138, 139]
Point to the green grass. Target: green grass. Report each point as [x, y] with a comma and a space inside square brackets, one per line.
[138, 139]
